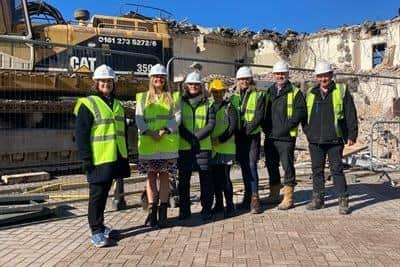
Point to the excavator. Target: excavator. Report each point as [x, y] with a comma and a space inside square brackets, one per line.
[46, 62]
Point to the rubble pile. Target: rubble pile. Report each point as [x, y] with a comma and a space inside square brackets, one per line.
[286, 44]
[182, 27]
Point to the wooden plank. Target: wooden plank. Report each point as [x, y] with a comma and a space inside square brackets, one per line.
[350, 150]
[25, 177]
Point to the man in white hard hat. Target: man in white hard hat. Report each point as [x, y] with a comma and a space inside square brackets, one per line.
[198, 121]
[285, 109]
[331, 123]
[101, 138]
[250, 103]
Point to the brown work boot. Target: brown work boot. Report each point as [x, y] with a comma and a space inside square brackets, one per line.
[255, 207]
[287, 201]
[274, 196]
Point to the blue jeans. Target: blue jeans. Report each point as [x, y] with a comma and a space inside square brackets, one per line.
[250, 177]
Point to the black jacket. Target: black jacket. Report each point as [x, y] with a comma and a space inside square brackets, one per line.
[232, 118]
[104, 172]
[247, 144]
[276, 124]
[321, 128]
[196, 159]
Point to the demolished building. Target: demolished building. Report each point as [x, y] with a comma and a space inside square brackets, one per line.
[366, 57]
[365, 50]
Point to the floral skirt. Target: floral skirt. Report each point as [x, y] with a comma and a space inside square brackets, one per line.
[158, 165]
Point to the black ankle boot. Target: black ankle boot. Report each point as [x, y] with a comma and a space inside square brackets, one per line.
[151, 219]
[229, 210]
[245, 204]
[317, 202]
[344, 205]
[162, 215]
[218, 207]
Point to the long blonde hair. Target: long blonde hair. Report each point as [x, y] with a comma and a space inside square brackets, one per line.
[165, 94]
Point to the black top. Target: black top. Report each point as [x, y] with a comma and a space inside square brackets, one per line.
[103, 172]
[248, 144]
[321, 127]
[196, 137]
[276, 124]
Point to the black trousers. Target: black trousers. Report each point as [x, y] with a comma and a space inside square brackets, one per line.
[98, 193]
[280, 151]
[318, 153]
[206, 190]
[222, 183]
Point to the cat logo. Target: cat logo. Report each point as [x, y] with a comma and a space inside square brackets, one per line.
[82, 64]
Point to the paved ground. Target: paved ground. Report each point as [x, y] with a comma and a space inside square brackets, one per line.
[370, 236]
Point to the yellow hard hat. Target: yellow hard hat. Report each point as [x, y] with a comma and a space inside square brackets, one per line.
[216, 85]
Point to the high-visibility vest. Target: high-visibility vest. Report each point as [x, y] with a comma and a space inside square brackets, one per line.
[291, 96]
[222, 123]
[247, 112]
[194, 120]
[157, 115]
[338, 94]
[107, 135]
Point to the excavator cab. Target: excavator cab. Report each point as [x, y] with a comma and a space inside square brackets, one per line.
[14, 19]
[15, 25]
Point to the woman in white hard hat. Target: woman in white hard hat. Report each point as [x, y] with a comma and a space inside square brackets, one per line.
[198, 120]
[251, 103]
[101, 138]
[157, 118]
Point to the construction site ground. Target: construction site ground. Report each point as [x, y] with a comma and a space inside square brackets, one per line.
[369, 236]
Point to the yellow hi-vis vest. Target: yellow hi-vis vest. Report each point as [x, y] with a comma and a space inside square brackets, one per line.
[157, 115]
[247, 112]
[291, 96]
[194, 120]
[108, 129]
[338, 94]
[222, 123]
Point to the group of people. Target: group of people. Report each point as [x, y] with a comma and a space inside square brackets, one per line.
[207, 131]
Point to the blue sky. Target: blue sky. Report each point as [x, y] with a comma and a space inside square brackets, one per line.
[279, 15]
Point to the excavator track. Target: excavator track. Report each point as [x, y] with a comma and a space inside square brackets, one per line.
[53, 149]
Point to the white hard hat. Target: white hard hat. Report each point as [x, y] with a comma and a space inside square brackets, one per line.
[158, 69]
[193, 77]
[244, 72]
[323, 67]
[103, 72]
[280, 66]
